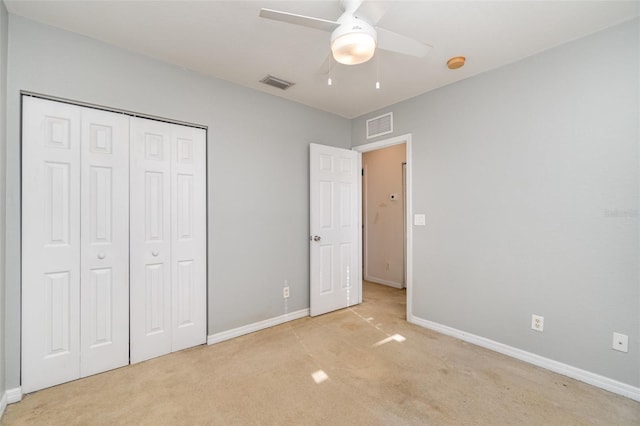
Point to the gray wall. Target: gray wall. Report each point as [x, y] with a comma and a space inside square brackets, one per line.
[528, 176]
[3, 150]
[257, 166]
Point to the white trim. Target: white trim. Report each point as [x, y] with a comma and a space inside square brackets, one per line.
[362, 236]
[360, 259]
[594, 379]
[397, 140]
[382, 282]
[3, 403]
[14, 395]
[256, 326]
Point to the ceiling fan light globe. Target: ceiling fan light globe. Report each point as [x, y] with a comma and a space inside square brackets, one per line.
[353, 48]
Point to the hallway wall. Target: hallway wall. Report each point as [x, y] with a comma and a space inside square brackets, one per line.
[383, 218]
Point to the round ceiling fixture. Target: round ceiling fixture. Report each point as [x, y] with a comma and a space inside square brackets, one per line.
[353, 42]
[456, 62]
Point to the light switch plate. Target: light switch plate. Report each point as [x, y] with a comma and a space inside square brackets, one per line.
[419, 220]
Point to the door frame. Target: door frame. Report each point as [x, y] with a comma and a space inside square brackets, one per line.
[384, 143]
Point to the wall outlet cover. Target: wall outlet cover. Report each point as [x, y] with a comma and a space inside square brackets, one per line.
[620, 342]
[537, 323]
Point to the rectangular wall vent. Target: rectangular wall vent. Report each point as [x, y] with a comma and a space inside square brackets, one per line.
[276, 82]
[380, 125]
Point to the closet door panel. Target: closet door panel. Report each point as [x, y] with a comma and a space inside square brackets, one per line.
[50, 243]
[188, 242]
[150, 243]
[105, 241]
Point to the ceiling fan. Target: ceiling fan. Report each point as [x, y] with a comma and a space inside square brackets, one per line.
[353, 39]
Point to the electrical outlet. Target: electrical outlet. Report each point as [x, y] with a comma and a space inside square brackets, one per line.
[537, 322]
[285, 292]
[620, 342]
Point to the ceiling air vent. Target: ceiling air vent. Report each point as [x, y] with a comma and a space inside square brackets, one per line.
[380, 125]
[276, 82]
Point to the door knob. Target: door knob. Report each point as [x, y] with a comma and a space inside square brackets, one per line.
[155, 252]
[101, 256]
[316, 238]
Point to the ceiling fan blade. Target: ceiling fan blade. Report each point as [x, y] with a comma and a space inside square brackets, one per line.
[350, 6]
[372, 11]
[394, 42]
[305, 21]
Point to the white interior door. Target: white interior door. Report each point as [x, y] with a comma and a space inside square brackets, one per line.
[150, 239]
[50, 243]
[334, 261]
[104, 294]
[188, 237]
[168, 238]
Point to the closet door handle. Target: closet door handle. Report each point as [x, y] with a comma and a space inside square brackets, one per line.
[155, 253]
[101, 256]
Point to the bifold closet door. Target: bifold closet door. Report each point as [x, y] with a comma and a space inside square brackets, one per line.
[104, 280]
[188, 237]
[50, 244]
[74, 242]
[168, 238]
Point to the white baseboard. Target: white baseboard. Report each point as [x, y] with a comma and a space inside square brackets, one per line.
[256, 326]
[549, 364]
[14, 395]
[9, 397]
[383, 282]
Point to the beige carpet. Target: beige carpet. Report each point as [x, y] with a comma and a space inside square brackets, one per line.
[359, 366]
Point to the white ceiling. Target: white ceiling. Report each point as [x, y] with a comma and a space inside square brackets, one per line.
[227, 40]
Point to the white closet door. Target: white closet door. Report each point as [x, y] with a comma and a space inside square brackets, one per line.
[168, 238]
[150, 221]
[50, 243]
[188, 241]
[105, 241]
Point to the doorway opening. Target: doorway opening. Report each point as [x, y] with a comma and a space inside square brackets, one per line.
[386, 209]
